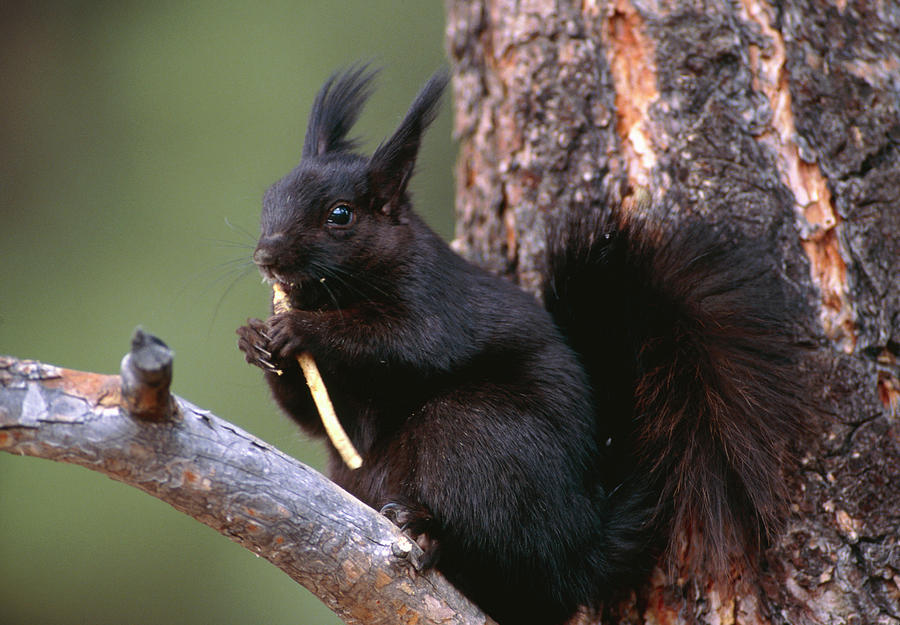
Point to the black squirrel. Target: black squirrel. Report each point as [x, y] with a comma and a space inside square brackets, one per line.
[542, 456]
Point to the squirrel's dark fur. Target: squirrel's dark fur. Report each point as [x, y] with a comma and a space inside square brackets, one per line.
[543, 459]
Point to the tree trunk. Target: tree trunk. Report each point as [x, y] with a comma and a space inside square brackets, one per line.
[783, 121]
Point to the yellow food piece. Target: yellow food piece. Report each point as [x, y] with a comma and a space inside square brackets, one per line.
[280, 302]
[333, 428]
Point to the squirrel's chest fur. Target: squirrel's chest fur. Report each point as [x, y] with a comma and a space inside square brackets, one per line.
[413, 426]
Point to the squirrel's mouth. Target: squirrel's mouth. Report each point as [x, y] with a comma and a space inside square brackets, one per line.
[280, 282]
[302, 294]
[301, 291]
[292, 293]
[273, 277]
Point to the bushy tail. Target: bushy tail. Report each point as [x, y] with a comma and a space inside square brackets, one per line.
[684, 335]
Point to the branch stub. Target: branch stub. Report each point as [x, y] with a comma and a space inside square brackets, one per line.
[146, 377]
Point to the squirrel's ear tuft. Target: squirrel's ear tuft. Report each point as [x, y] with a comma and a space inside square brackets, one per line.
[391, 166]
[335, 110]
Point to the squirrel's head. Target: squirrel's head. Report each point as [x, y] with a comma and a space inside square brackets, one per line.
[339, 216]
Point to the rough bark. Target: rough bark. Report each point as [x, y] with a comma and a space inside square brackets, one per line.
[783, 121]
[347, 554]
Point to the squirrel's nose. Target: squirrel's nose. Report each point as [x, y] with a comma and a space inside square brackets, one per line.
[264, 256]
[266, 252]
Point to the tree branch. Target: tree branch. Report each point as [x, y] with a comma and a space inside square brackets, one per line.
[352, 558]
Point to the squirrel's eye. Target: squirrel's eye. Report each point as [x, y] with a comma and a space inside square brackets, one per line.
[340, 216]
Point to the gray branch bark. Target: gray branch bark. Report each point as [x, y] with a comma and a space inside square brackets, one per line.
[351, 557]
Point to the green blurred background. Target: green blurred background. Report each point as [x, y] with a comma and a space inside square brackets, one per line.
[136, 139]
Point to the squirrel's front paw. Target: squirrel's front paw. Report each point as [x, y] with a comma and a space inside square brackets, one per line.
[253, 340]
[288, 334]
